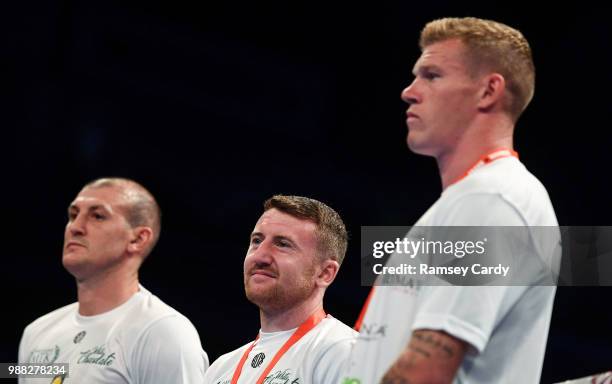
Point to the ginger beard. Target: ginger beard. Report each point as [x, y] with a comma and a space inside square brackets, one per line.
[281, 292]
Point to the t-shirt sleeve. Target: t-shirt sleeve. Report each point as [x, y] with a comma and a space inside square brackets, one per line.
[332, 363]
[479, 209]
[218, 369]
[169, 351]
[211, 374]
[23, 345]
[470, 313]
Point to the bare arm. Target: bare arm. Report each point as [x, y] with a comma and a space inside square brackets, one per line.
[430, 357]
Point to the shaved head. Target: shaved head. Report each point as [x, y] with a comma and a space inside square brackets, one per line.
[141, 208]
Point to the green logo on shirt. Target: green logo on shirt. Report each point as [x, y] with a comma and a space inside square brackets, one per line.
[349, 380]
[45, 356]
[282, 377]
[96, 355]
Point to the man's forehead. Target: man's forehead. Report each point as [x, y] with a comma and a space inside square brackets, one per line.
[108, 197]
[444, 53]
[277, 220]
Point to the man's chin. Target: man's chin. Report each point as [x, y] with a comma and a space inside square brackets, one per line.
[418, 147]
[74, 265]
[262, 296]
[69, 260]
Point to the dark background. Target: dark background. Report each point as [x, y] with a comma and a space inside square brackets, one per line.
[216, 107]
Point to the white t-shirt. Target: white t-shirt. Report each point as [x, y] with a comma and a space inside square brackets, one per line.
[142, 341]
[317, 358]
[505, 326]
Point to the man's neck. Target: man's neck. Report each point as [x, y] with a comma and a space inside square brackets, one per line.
[275, 321]
[454, 163]
[102, 293]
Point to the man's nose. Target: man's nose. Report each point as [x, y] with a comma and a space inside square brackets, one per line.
[262, 255]
[409, 94]
[76, 226]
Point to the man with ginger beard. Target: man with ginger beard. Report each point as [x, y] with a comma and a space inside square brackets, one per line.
[117, 331]
[295, 251]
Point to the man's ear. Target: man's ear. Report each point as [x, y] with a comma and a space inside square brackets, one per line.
[328, 272]
[141, 239]
[492, 91]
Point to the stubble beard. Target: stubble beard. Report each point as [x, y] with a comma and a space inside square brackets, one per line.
[275, 299]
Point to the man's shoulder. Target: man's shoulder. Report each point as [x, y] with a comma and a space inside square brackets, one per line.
[333, 330]
[504, 176]
[151, 307]
[53, 319]
[150, 312]
[329, 332]
[227, 360]
[506, 187]
[331, 336]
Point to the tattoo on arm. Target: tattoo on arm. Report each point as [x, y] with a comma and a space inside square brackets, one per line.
[419, 351]
[430, 354]
[395, 374]
[430, 342]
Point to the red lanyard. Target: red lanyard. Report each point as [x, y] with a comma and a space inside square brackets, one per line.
[306, 326]
[484, 160]
[357, 325]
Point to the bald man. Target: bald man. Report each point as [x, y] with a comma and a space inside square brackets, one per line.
[117, 331]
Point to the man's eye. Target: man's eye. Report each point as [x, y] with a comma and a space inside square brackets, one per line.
[99, 216]
[284, 244]
[255, 240]
[431, 75]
